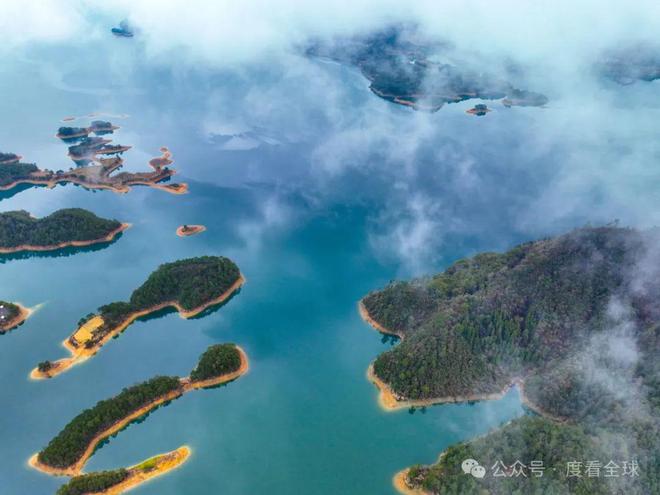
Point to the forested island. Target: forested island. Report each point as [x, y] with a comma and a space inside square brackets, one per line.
[190, 286]
[12, 315]
[404, 68]
[123, 479]
[67, 453]
[19, 231]
[574, 319]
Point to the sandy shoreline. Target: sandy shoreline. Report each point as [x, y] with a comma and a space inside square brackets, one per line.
[164, 464]
[28, 247]
[119, 189]
[23, 314]
[81, 354]
[192, 230]
[226, 378]
[186, 386]
[367, 317]
[389, 401]
[399, 482]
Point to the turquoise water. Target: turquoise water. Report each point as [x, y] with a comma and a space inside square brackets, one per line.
[316, 213]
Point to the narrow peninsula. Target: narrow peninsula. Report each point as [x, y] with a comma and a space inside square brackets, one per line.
[69, 451]
[121, 480]
[71, 227]
[561, 317]
[190, 286]
[12, 315]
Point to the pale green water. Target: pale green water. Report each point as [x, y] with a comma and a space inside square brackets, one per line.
[312, 229]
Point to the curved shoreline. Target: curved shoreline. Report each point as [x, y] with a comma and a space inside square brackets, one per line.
[389, 401]
[79, 355]
[186, 386]
[23, 314]
[165, 463]
[192, 230]
[364, 313]
[53, 247]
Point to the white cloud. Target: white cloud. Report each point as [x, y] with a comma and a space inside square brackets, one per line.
[23, 22]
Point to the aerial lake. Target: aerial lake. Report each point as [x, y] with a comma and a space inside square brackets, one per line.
[313, 225]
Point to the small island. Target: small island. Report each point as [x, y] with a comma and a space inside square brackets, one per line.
[12, 315]
[479, 110]
[188, 230]
[67, 134]
[190, 286]
[543, 316]
[69, 451]
[71, 227]
[124, 30]
[121, 480]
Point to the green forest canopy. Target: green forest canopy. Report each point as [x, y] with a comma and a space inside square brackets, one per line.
[190, 282]
[93, 482]
[72, 224]
[218, 360]
[70, 444]
[12, 172]
[549, 311]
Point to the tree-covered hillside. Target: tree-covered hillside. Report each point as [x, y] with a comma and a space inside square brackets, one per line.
[11, 172]
[69, 445]
[218, 360]
[93, 482]
[190, 282]
[575, 316]
[18, 228]
[493, 317]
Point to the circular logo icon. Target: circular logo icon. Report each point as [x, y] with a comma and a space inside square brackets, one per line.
[468, 465]
[478, 471]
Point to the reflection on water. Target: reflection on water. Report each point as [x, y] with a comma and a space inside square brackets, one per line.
[58, 253]
[16, 190]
